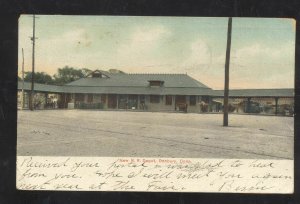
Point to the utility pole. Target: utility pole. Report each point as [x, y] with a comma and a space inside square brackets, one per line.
[32, 73]
[227, 62]
[23, 98]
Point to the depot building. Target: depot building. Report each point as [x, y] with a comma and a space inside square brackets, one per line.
[153, 92]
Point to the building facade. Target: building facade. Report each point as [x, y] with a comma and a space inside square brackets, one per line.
[155, 92]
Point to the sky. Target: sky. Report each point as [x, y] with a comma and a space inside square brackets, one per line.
[262, 49]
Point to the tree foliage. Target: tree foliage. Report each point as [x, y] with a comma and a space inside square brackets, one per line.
[86, 71]
[39, 77]
[68, 74]
[63, 76]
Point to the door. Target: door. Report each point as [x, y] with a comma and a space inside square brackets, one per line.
[180, 103]
[180, 99]
[132, 101]
[112, 101]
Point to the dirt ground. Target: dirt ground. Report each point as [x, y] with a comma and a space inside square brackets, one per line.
[147, 134]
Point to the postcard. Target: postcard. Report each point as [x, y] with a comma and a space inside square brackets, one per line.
[159, 104]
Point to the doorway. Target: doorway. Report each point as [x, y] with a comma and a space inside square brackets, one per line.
[112, 101]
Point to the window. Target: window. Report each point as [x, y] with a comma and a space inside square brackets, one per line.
[142, 99]
[156, 83]
[168, 100]
[96, 75]
[192, 100]
[154, 98]
[90, 98]
[79, 97]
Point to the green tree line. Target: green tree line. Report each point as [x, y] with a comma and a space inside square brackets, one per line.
[63, 76]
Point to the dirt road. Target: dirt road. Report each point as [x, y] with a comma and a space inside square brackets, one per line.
[147, 134]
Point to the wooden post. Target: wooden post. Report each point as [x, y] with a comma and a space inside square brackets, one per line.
[276, 105]
[227, 62]
[248, 106]
[65, 103]
[117, 101]
[126, 102]
[46, 97]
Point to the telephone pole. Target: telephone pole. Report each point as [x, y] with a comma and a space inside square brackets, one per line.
[227, 62]
[32, 73]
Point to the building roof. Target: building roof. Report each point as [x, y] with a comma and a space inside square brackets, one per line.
[103, 82]
[158, 90]
[288, 92]
[117, 89]
[41, 87]
[139, 80]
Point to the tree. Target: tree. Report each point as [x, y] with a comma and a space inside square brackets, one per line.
[67, 74]
[86, 71]
[39, 77]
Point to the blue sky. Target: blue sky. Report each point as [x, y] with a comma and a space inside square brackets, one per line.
[262, 52]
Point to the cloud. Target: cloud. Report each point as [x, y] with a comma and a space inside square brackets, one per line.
[263, 54]
[149, 34]
[74, 38]
[263, 66]
[52, 52]
[254, 66]
[200, 56]
[142, 46]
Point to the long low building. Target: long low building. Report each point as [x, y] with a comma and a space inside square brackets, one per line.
[153, 92]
